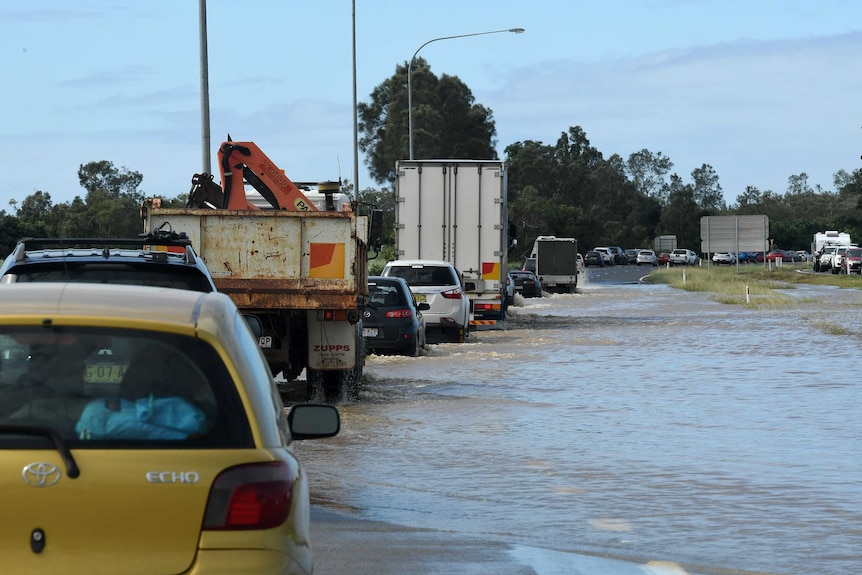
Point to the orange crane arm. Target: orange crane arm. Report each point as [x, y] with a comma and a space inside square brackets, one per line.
[244, 161]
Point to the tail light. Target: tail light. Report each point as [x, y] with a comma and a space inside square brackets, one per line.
[246, 497]
[399, 313]
[332, 315]
[452, 294]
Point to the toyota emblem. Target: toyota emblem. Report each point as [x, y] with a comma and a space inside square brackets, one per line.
[41, 474]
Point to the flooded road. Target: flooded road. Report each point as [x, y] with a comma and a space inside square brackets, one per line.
[633, 422]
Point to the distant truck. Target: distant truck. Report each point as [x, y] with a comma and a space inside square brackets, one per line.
[555, 262]
[665, 244]
[456, 211]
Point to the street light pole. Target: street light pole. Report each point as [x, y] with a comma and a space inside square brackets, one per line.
[410, 75]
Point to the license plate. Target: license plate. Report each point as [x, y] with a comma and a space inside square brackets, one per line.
[420, 297]
[369, 332]
[104, 373]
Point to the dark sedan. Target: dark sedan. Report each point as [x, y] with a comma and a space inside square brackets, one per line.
[392, 322]
[593, 258]
[526, 283]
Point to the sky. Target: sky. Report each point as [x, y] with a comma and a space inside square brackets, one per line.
[760, 90]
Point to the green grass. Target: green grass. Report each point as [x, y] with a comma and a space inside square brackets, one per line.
[765, 286]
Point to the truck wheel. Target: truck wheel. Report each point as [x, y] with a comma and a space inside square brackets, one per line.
[323, 386]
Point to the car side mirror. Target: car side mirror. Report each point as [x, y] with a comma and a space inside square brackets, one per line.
[313, 421]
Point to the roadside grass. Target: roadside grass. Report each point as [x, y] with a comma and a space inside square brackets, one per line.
[758, 287]
[726, 285]
[763, 284]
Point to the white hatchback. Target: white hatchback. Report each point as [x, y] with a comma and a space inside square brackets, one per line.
[647, 257]
[727, 258]
[438, 284]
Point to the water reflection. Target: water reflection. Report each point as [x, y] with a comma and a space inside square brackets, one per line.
[638, 422]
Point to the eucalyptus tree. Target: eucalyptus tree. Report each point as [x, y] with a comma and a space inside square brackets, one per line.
[447, 121]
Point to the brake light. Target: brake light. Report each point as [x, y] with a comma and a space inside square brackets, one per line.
[332, 315]
[399, 313]
[254, 496]
[452, 294]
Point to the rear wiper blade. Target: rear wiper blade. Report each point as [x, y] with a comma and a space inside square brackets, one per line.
[71, 466]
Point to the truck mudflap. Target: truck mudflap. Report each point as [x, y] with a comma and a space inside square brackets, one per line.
[331, 344]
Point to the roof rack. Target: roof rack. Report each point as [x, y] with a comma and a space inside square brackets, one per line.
[158, 238]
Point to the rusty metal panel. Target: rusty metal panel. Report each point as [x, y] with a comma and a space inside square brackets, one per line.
[277, 259]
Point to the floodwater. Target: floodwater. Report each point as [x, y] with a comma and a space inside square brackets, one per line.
[635, 422]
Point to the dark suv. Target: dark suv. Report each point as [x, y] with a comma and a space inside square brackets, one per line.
[163, 258]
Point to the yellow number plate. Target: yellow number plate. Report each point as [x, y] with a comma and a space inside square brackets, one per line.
[420, 297]
[104, 373]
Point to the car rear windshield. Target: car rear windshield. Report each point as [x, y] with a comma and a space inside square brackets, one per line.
[386, 294]
[424, 275]
[113, 388]
[145, 273]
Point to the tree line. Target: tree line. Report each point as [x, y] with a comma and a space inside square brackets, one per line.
[568, 189]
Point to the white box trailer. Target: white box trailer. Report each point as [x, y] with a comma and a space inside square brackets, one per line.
[456, 211]
[829, 238]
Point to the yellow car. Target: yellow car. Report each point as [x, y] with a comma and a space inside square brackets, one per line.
[141, 432]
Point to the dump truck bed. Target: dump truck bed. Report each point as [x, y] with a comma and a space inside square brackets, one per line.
[271, 259]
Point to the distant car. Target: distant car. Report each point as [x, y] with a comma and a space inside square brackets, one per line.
[526, 283]
[726, 258]
[392, 321]
[438, 284]
[851, 263]
[664, 258]
[607, 255]
[683, 257]
[632, 255]
[837, 256]
[806, 257]
[620, 258]
[775, 255]
[823, 258]
[581, 265]
[594, 258]
[647, 257]
[150, 416]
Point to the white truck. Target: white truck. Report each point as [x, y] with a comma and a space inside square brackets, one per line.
[664, 244]
[301, 270]
[456, 211]
[555, 262]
